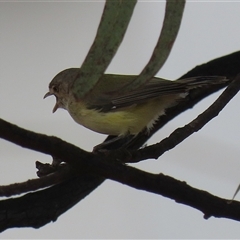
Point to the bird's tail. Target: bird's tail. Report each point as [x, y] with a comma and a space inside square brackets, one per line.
[201, 81]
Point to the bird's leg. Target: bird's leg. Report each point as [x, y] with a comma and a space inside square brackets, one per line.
[115, 142]
[108, 144]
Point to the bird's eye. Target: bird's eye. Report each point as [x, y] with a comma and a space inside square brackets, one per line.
[55, 89]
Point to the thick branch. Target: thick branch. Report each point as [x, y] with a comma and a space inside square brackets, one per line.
[33, 209]
[41, 207]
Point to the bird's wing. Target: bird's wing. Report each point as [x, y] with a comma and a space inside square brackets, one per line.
[156, 87]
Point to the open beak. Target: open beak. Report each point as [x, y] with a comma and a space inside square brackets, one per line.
[47, 95]
[56, 105]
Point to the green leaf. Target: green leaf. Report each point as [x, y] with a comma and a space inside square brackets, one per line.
[114, 22]
[172, 21]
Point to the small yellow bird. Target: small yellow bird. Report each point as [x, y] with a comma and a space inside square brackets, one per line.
[108, 110]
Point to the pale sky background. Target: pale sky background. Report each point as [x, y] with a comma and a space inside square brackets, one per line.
[39, 39]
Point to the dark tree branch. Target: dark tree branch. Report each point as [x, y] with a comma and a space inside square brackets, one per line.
[16, 212]
[228, 65]
[58, 176]
[182, 133]
[41, 207]
[30, 210]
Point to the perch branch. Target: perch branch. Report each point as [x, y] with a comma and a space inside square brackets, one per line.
[180, 134]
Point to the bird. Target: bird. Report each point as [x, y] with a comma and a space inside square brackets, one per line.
[110, 108]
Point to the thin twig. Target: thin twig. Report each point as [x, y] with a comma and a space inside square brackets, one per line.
[35, 184]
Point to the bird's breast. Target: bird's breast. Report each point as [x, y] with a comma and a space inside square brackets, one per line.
[131, 119]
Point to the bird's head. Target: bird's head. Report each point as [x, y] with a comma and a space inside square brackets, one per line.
[60, 86]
